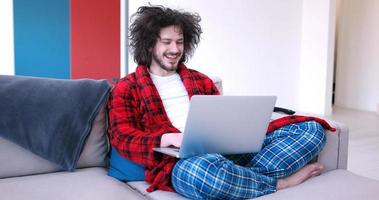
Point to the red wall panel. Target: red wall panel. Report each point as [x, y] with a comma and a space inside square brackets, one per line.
[95, 39]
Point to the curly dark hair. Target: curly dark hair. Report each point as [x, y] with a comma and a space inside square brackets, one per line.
[145, 28]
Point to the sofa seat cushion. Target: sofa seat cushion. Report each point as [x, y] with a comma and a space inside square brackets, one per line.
[336, 184]
[88, 183]
[141, 187]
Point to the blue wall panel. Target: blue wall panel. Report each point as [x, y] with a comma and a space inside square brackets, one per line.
[42, 38]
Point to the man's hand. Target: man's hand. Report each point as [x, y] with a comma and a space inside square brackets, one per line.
[174, 139]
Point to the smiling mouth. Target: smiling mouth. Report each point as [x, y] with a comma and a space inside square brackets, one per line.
[172, 58]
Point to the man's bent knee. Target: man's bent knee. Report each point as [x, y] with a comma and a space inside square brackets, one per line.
[190, 175]
[316, 136]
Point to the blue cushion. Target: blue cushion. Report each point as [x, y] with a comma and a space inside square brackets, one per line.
[124, 169]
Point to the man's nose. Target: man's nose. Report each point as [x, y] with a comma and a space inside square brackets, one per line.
[174, 48]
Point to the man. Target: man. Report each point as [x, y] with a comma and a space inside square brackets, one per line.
[148, 109]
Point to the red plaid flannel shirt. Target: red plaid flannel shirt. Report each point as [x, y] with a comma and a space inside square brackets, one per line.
[137, 120]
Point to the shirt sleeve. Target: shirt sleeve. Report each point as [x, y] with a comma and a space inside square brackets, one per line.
[125, 130]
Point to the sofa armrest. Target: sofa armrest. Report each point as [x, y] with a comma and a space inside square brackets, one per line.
[334, 154]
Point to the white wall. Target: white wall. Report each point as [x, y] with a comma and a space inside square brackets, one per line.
[123, 36]
[266, 47]
[357, 76]
[6, 38]
[317, 56]
[255, 46]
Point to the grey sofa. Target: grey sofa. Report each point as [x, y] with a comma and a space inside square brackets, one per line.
[24, 175]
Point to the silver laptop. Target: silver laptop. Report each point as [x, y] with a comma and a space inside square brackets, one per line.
[225, 125]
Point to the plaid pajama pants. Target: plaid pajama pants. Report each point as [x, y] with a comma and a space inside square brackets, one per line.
[216, 176]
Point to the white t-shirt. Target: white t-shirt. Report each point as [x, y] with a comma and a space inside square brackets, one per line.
[174, 97]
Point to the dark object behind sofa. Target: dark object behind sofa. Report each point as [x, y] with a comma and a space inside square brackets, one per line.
[284, 110]
[50, 117]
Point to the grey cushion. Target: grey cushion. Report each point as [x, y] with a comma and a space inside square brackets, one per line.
[97, 145]
[17, 161]
[91, 183]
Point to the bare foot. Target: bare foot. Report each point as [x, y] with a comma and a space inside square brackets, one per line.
[300, 176]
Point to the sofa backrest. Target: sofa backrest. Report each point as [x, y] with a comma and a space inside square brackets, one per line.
[218, 82]
[17, 161]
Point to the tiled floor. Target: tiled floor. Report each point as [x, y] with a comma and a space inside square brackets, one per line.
[363, 140]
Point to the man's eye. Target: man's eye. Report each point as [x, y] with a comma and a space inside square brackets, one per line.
[165, 41]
